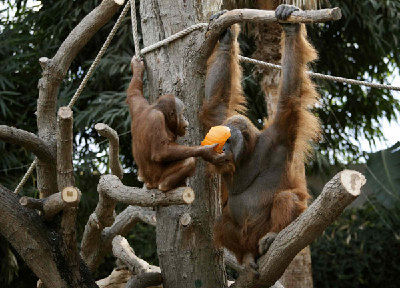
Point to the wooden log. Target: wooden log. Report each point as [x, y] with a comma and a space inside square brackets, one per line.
[111, 186]
[337, 194]
[49, 206]
[112, 136]
[71, 195]
[65, 169]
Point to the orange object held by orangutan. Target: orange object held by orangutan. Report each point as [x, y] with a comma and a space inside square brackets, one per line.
[217, 134]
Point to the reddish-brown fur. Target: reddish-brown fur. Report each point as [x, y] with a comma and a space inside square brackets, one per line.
[266, 192]
[162, 163]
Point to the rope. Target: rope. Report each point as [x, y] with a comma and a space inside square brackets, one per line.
[134, 30]
[26, 176]
[322, 76]
[99, 55]
[173, 37]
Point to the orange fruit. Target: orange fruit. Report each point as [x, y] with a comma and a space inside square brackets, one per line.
[217, 134]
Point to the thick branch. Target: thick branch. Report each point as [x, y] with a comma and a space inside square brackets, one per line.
[262, 16]
[55, 203]
[339, 192]
[49, 206]
[96, 242]
[111, 186]
[38, 246]
[28, 140]
[146, 274]
[112, 136]
[65, 169]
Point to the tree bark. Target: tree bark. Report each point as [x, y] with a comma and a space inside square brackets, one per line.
[38, 245]
[186, 253]
[113, 152]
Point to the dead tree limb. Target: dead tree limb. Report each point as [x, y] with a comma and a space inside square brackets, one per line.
[112, 136]
[55, 203]
[117, 279]
[54, 70]
[337, 194]
[37, 245]
[65, 169]
[262, 16]
[111, 186]
[96, 241]
[29, 141]
[146, 274]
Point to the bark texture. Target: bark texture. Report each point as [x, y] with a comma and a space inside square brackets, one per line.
[186, 253]
[112, 188]
[65, 169]
[113, 153]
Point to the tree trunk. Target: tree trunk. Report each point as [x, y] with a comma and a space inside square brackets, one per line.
[185, 248]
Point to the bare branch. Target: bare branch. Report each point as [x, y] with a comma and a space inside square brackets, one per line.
[28, 140]
[96, 241]
[65, 169]
[112, 136]
[55, 203]
[111, 186]
[339, 192]
[146, 274]
[117, 279]
[262, 16]
[54, 71]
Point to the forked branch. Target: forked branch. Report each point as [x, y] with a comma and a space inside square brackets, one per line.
[112, 136]
[96, 241]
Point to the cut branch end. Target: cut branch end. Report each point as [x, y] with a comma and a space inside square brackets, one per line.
[71, 195]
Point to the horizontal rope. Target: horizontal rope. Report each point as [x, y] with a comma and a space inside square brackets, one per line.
[173, 37]
[322, 76]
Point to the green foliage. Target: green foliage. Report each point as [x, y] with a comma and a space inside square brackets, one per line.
[383, 175]
[361, 249]
[364, 45]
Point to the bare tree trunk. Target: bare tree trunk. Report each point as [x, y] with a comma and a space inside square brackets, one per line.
[185, 248]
